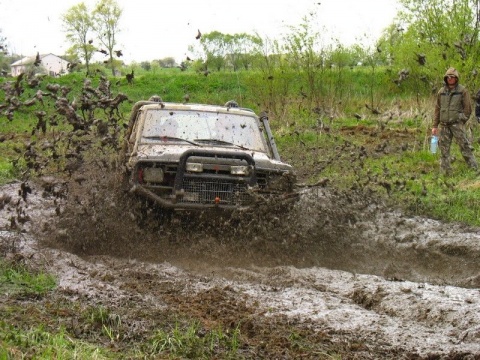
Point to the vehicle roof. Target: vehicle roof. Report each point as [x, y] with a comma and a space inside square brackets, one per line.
[198, 107]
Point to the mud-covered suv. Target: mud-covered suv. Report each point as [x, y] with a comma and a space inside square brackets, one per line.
[192, 156]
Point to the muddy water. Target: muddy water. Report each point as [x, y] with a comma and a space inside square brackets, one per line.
[340, 263]
[326, 229]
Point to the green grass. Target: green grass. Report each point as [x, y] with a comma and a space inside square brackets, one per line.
[16, 279]
[405, 174]
[36, 343]
[193, 342]
[37, 325]
[33, 341]
[7, 171]
[10, 168]
[295, 121]
[27, 339]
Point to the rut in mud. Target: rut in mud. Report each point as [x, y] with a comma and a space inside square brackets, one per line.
[340, 273]
[352, 276]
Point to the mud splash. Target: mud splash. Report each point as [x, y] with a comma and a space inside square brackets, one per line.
[371, 280]
[342, 231]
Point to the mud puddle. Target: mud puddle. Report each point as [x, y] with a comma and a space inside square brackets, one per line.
[373, 281]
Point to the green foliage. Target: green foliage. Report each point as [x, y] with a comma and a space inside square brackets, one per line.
[106, 19]
[168, 62]
[146, 65]
[225, 51]
[37, 343]
[16, 279]
[7, 169]
[78, 26]
[430, 37]
[4, 59]
[345, 104]
[241, 48]
[392, 162]
[192, 341]
[306, 58]
[109, 323]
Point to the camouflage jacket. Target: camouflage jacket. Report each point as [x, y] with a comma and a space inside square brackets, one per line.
[452, 106]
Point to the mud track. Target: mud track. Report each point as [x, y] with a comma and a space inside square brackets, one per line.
[345, 273]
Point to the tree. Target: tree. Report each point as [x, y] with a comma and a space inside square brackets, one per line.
[106, 18]
[3, 52]
[305, 56]
[273, 87]
[145, 65]
[438, 34]
[237, 50]
[78, 26]
[213, 45]
[168, 62]
[241, 48]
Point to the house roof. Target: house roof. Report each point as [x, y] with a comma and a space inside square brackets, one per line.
[28, 60]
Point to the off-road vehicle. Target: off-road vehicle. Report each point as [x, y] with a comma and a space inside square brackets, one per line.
[194, 156]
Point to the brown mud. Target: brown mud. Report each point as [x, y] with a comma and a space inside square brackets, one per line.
[340, 274]
[342, 271]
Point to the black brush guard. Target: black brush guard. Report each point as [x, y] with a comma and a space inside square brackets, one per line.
[203, 191]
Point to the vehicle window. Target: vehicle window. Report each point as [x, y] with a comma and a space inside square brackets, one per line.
[230, 129]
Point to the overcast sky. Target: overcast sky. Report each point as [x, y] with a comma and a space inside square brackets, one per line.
[155, 29]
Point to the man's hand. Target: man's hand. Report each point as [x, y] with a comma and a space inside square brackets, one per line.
[435, 131]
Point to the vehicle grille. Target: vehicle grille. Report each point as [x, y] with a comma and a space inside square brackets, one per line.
[205, 192]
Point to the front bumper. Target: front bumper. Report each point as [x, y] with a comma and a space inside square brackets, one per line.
[216, 187]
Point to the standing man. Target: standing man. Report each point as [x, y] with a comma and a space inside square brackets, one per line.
[452, 110]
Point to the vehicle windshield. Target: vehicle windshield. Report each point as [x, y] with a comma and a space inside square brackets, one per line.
[201, 127]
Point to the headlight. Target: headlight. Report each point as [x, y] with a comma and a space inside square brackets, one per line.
[240, 170]
[154, 175]
[194, 167]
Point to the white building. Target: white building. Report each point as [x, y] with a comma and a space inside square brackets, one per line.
[53, 64]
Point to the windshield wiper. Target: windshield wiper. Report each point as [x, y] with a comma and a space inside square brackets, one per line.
[158, 137]
[221, 142]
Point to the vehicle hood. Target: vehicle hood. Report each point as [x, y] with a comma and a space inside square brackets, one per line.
[172, 154]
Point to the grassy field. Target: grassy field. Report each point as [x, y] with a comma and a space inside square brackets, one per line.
[383, 121]
[351, 135]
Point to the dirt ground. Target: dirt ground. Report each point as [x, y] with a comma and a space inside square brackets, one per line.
[336, 274]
